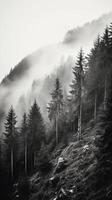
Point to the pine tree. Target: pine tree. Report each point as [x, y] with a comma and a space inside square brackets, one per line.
[10, 134]
[106, 63]
[92, 77]
[77, 88]
[36, 129]
[55, 106]
[24, 134]
[110, 36]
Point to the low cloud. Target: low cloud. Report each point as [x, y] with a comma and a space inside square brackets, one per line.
[34, 76]
[88, 32]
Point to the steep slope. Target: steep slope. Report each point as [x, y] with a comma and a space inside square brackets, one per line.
[68, 179]
[82, 170]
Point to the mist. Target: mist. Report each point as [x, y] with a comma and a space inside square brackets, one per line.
[34, 76]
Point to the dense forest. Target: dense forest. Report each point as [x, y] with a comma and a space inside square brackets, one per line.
[36, 158]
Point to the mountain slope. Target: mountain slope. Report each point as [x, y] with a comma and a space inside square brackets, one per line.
[18, 86]
[83, 169]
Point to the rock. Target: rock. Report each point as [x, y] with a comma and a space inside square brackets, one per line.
[61, 165]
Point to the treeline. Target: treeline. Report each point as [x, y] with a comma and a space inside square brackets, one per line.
[22, 146]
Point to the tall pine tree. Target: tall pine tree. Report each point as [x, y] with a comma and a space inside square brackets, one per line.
[10, 135]
[24, 135]
[36, 132]
[92, 78]
[55, 106]
[77, 88]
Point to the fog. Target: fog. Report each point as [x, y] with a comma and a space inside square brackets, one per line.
[34, 76]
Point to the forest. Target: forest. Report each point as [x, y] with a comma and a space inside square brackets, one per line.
[80, 127]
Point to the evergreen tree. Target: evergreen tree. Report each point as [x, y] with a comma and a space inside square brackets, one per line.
[10, 135]
[92, 78]
[110, 36]
[77, 87]
[106, 62]
[55, 106]
[36, 132]
[24, 135]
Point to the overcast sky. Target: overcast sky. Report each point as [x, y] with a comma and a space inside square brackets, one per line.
[26, 25]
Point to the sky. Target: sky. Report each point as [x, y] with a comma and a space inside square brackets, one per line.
[26, 25]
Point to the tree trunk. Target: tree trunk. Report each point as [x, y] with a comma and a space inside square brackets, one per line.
[12, 162]
[105, 93]
[80, 112]
[78, 136]
[26, 157]
[34, 159]
[56, 129]
[80, 121]
[95, 105]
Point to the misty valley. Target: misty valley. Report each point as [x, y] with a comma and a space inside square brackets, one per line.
[56, 122]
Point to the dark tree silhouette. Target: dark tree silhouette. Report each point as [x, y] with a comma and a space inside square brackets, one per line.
[36, 132]
[77, 88]
[10, 135]
[24, 135]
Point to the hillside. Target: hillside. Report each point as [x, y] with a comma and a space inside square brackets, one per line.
[68, 180]
[80, 170]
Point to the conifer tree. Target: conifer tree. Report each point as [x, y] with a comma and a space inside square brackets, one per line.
[55, 106]
[110, 36]
[10, 135]
[77, 88]
[106, 63]
[24, 134]
[36, 129]
[92, 77]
